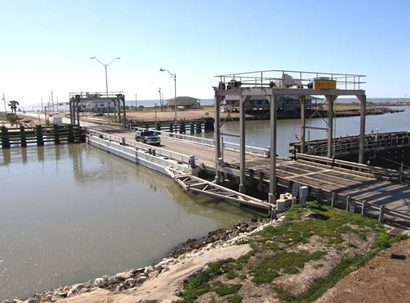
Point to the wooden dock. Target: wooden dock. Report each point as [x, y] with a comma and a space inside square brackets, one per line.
[40, 135]
[365, 188]
[349, 145]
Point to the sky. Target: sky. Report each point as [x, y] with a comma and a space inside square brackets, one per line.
[46, 45]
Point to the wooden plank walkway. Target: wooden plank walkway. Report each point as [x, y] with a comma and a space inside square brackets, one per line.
[359, 186]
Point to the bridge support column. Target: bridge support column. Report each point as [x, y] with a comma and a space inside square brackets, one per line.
[330, 152]
[362, 99]
[302, 124]
[273, 125]
[242, 155]
[217, 137]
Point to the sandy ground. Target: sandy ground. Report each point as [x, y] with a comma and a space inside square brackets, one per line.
[382, 280]
[169, 115]
[163, 286]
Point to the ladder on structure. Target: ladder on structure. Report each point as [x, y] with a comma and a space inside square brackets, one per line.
[194, 184]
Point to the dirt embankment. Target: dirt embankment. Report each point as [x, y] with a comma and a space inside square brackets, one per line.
[386, 278]
[296, 258]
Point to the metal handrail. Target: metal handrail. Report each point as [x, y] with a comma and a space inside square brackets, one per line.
[183, 158]
[251, 150]
[262, 78]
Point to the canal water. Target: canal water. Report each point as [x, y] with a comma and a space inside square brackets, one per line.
[258, 132]
[71, 213]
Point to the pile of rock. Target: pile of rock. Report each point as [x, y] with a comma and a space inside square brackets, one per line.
[219, 235]
[116, 283]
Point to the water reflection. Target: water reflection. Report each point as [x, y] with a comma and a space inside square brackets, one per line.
[258, 132]
[84, 213]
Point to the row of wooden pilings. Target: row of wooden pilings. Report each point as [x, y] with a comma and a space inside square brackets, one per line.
[194, 126]
[39, 135]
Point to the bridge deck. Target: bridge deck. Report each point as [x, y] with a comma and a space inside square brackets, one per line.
[359, 186]
[205, 153]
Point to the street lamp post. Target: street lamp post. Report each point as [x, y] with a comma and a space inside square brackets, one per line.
[174, 77]
[106, 77]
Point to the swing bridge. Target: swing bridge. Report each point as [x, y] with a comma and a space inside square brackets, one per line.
[253, 177]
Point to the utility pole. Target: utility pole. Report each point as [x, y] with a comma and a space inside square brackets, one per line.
[52, 100]
[5, 105]
[136, 102]
[174, 77]
[42, 108]
[160, 99]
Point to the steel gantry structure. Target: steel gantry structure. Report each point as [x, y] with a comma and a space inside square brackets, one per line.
[272, 84]
[99, 102]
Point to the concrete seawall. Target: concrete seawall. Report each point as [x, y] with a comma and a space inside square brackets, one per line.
[159, 164]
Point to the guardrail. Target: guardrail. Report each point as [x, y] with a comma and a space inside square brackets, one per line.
[382, 212]
[252, 150]
[182, 158]
[376, 171]
[289, 78]
[350, 144]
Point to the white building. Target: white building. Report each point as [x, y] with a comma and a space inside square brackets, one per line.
[184, 102]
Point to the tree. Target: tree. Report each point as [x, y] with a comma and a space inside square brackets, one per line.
[13, 106]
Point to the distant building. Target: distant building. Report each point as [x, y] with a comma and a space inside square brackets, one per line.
[260, 103]
[96, 103]
[99, 106]
[184, 102]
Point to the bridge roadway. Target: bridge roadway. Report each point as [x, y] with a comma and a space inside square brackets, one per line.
[359, 186]
[204, 153]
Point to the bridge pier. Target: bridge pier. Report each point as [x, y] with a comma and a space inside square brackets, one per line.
[302, 100]
[362, 99]
[330, 100]
[273, 129]
[217, 137]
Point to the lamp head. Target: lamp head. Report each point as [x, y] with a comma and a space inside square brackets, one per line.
[162, 70]
[93, 57]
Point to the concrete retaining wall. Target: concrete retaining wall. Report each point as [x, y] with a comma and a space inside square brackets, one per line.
[156, 163]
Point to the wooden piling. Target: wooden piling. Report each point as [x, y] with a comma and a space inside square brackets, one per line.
[70, 133]
[381, 214]
[5, 138]
[39, 135]
[182, 127]
[198, 127]
[348, 203]
[23, 140]
[56, 134]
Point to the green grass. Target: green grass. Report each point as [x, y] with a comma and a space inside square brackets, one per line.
[273, 254]
[224, 289]
[383, 240]
[199, 283]
[321, 285]
[235, 299]
[283, 262]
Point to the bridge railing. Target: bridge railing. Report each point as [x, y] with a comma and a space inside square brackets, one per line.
[252, 150]
[182, 158]
[375, 171]
[350, 144]
[383, 213]
[292, 78]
